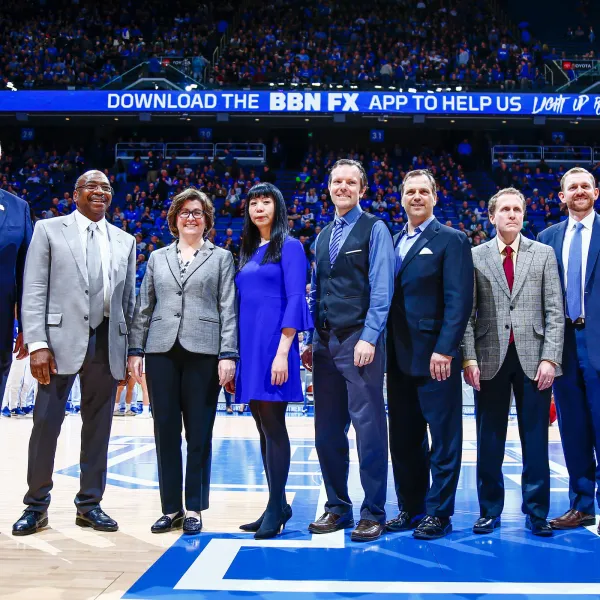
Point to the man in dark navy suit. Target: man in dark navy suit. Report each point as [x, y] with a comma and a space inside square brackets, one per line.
[15, 235]
[428, 316]
[576, 243]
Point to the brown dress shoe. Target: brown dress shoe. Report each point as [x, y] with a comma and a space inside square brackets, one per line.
[572, 519]
[330, 522]
[367, 531]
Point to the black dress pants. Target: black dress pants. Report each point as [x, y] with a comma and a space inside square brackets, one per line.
[98, 389]
[492, 405]
[183, 384]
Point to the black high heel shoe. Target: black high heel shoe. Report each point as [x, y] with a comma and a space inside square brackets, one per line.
[255, 525]
[267, 532]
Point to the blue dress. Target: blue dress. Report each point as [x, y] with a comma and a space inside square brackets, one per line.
[271, 297]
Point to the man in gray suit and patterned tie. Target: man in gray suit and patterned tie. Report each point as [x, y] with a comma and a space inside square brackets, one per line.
[78, 301]
[513, 341]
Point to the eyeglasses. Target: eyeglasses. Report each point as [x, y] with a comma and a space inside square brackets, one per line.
[92, 187]
[197, 214]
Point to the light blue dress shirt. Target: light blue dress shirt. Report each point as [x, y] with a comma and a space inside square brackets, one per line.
[408, 241]
[381, 277]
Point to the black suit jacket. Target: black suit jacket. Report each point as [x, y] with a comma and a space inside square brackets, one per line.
[433, 298]
[15, 235]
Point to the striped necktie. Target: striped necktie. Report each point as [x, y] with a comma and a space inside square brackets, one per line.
[336, 239]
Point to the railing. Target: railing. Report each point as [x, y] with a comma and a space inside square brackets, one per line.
[193, 152]
[550, 154]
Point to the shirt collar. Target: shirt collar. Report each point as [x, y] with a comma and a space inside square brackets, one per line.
[83, 222]
[587, 222]
[515, 245]
[422, 227]
[351, 216]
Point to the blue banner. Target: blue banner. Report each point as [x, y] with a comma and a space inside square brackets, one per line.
[305, 102]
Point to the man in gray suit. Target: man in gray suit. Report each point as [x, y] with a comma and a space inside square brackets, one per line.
[514, 340]
[78, 301]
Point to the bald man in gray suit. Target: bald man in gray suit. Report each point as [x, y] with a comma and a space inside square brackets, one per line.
[78, 301]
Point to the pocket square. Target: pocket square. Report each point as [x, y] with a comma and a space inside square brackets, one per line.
[1, 206]
[353, 251]
[425, 251]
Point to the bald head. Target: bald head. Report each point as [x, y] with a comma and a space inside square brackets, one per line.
[92, 175]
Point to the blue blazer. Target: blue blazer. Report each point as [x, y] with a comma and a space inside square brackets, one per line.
[15, 234]
[554, 236]
[433, 298]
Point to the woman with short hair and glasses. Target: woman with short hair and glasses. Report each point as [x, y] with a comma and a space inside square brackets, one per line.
[185, 324]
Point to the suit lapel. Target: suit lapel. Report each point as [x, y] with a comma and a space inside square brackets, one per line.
[202, 257]
[397, 239]
[593, 251]
[557, 243]
[173, 263]
[3, 210]
[494, 261]
[524, 260]
[71, 233]
[422, 240]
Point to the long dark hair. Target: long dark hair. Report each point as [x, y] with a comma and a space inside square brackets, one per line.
[279, 227]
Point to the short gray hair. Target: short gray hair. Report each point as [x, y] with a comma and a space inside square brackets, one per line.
[420, 173]
[505, 192]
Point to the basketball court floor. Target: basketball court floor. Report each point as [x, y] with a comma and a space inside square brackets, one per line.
[65, 562]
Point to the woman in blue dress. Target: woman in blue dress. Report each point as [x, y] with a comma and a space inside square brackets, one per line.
[271, 287]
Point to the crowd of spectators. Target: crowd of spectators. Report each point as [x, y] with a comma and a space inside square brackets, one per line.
[386, 42]
[143, 190]
[61, 43]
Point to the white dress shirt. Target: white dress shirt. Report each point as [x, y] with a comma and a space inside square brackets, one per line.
[82, 225]
[586, 238]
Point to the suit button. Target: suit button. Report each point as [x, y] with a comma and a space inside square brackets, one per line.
[178, 315]
[180, 293]
[329, 293]
[87, 292]
[329, 277]
[512, 308]
[325, 309]
[507, 327]
[85, 318]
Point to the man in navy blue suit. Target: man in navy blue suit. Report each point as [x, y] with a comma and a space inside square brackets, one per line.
[428, 316]
[576, 243]
[15, 235]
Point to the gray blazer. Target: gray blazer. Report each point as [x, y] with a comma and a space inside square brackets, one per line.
[200, 312]
[534, 308]
[55, 301]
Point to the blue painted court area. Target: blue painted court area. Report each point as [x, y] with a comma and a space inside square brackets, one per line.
[509, 564]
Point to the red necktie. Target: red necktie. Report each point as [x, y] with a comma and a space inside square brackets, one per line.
[509, 271]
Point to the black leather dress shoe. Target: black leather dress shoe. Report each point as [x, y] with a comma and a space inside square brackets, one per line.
[329, 522]
[486, 524]
[539, 527]
[433, 528]
[192, 525]
[367, 531]
[166, 523]
[31, 521]
[97, 519]
[403, 522]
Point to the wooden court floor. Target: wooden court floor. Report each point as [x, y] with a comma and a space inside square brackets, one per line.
[65, 562]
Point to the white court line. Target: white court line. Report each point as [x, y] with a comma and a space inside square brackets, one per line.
[115, 460]
[33, 542]
[87, 537]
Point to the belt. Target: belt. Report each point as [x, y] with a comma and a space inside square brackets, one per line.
[579, 323]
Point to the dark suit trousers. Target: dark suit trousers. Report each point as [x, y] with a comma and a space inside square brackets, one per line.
[98, 389]
[347, 394]
[577, 396]
[492, 406]
[414, 403]
[183, 384]
[5, 362]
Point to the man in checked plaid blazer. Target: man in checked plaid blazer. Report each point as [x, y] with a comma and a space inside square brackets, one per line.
[514, 340]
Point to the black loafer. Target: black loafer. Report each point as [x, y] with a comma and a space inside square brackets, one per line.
[31, 521]
[367, 531]
[166, 523]
[486, 524]
[192, 525]
[539, 527]
[403, 522]
[433, 528]
[97, 519]
[329, 522]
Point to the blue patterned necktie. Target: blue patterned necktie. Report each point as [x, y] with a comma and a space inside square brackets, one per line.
[574, 275]
[336, 239]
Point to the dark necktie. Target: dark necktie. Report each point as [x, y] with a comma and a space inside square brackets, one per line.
[574, 274]
[95, 279]
[509, 271]
[336, 239]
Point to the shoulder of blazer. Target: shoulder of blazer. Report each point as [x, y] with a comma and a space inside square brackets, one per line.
[9, 198]
[549, 232]
[123, 235]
